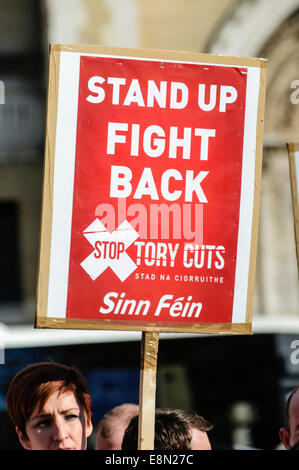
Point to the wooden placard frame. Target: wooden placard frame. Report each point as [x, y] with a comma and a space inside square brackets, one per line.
[42, 320]
[293, 152]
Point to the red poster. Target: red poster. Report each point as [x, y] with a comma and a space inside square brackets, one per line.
[154, 156]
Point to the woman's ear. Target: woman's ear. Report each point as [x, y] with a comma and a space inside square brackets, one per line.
[23, 440]
[89, 427]
[284, 437]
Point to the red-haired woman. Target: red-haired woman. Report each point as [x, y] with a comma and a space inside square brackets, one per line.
[49, 405]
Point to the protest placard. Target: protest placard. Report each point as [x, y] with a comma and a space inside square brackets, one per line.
[151, 190]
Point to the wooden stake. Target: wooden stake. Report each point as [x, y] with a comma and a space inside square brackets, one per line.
[147, 390]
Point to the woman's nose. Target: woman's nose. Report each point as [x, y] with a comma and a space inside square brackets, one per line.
[60, 429]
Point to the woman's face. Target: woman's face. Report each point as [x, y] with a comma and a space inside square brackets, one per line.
[60, 425]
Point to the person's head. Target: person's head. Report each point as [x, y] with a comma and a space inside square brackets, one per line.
[111, 428]
[49, 405]
[289, 435]
[174, 430]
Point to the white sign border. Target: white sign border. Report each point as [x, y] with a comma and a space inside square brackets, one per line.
[296, 160]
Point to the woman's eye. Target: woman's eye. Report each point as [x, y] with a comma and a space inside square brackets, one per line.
[71, 417]
[43, 424]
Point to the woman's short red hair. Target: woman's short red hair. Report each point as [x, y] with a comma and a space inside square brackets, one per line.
[33, 385]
